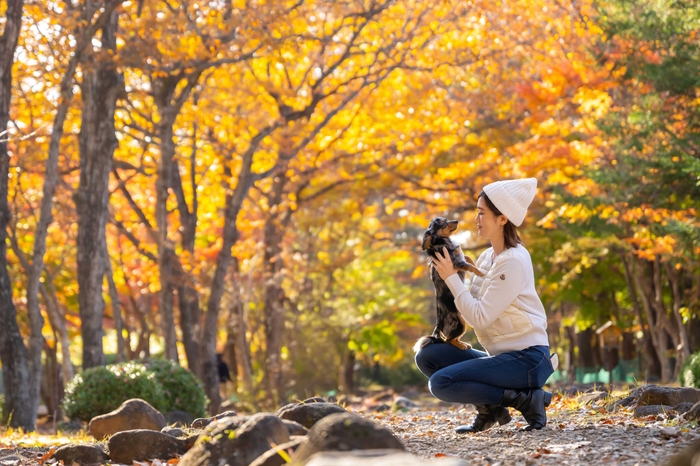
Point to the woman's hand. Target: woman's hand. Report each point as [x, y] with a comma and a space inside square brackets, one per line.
[443, 264]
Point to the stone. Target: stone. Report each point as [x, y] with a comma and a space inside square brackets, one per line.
[178, 418]
[308, 414]
[669, 396]
[684, 407]
[381, 457]
[81, 454]
[295, 428]
[401, 402]
[142, 444]
[654, 410]
[669, 432]
[132, 414]
[273, 458]
[202, 422]
[238, 447]
[346, 432]
[173, 431]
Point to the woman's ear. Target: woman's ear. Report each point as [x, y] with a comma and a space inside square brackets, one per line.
[502, 220]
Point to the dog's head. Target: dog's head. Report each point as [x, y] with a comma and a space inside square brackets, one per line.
[439, 227]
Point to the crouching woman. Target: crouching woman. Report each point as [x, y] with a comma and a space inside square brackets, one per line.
[507, 316]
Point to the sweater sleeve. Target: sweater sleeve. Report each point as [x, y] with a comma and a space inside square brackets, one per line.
[507, 284]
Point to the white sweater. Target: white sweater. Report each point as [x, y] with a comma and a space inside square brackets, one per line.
[503, 306]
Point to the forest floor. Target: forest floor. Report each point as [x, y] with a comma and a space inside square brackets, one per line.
[576, 434]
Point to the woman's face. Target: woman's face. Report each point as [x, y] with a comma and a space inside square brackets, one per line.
[488, 225]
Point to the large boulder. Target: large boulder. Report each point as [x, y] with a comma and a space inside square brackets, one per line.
[346, 432]
[308, 414]
[132, 414]
[668, 396]
[237, 447]
[141, 444]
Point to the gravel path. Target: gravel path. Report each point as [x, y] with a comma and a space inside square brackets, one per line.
[572, 437]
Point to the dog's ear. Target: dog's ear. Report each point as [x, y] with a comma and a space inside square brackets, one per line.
[427, 241]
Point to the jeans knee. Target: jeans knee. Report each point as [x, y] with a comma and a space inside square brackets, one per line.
[439, 384]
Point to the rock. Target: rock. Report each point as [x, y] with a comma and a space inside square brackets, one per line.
[383, 457]
[381, 408]
[571, 391]
[179, 418]
[308, 414]
[654, 410]
[295, 428]
[314, 399]
[273, 458]
[688, 457]
[142, 444]
[132, 414]
[668, 396]
[173, 431]
[202, 422]
[238, 447]
[345, 432]
[81, 454]
[684, 407]
[401, 402]
[592, 397]
[669, 432]
[693, 413]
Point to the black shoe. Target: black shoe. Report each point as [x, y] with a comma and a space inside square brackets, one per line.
[531, 403]
[487, 416]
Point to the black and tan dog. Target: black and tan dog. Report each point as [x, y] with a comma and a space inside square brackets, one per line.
[450, 324]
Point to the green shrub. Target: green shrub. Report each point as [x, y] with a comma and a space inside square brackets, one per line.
[100, 390]
[181, 389]
[690, 372]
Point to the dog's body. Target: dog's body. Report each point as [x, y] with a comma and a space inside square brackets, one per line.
[450, 324]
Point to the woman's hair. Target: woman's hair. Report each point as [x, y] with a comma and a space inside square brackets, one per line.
[510, 231]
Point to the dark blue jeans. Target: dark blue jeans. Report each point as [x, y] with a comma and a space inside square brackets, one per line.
[472, 376]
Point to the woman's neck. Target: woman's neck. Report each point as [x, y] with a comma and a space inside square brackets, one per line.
[498, 245]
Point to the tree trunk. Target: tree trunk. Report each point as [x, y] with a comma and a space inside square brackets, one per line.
[13, 353]
[100, 87]
[274, 295]
[347, 372]
[683, 350]
[585, 348]
[644, 283]
[234, 203]
[58, 324]
[116, 307]
[238, 328]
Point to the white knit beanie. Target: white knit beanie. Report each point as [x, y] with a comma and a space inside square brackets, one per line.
[512, 197]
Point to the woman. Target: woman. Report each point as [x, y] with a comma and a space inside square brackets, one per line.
[507, 316]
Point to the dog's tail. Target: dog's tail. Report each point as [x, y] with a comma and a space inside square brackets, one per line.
[425, 341]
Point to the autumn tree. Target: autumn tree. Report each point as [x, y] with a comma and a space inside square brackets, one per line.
[18, 404]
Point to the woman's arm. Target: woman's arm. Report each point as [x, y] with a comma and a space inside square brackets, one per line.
[507, 283]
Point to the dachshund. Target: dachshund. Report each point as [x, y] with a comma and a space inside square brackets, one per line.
[450, 324]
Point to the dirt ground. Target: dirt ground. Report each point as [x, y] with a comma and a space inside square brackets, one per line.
[572, 437]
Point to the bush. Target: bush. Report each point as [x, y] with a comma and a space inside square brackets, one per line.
[690, 372]
[99, 390]
[162, 383]
[181, 389]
